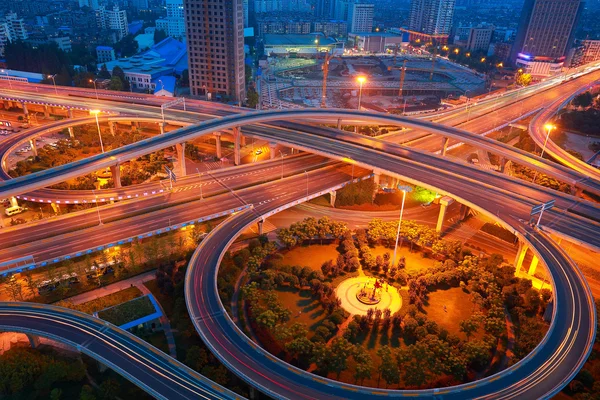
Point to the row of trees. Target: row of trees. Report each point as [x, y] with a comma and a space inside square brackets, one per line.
[381, 232]
[311, 229]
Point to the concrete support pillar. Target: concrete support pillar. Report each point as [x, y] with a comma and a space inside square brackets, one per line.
[339, 124]
[34, 340]
[576, 191]
[180, 147]
[55, 208]
[332, 197]
[520, 256]
[260, 226]
[115, 171]
[70, 112]
[25, 110]
[445, 141]
[533, 266]
[13, 202]
[161, 126]
[218, 144]
[112, 127]
[444, 203]
[464, 212]
[236, 145]
[242, 140]
[376, 180]
[272, 147]
[71, 132]
[46, 111]
[503, 163]
[33, 144]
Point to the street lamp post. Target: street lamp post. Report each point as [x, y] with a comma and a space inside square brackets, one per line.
[361, 80]
[404, 189]
[7, 78]
[199, 176]
[468, 108]
[96, 112]
[97, 207]
[95, 88]
[549, 128]
[54, 81]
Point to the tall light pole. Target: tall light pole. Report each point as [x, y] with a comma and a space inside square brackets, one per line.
[468, 102]
[404, 189]
[97, 207]
[54, 81]
[96, 112]
[95, 88]
[7, 78]
[281, 163]
[361, 80]
[549, 128]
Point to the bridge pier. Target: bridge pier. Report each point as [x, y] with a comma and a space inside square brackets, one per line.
[533, 266]
[576, 191]
[13, 202]
[180, 147]
[445, 141]
[70, 112]
[112, 127]
[25, 110]
[46, 112]
[161, 126]
[260, 226]
[34, 340]
[332, 197]
[464, 212]
[218, 144]
[115, 171]
[55, 208]
[444, 203]
[71, 132]
[523, 247]
[272, 147]
[236, 145]
[503, 164]
[339, 123]
[376, 180]
[33, 144]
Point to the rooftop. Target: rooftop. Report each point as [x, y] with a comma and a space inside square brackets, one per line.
[297, 40]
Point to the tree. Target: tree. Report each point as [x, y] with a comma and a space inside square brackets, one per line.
[341, 350]
[84, 80]
[196, 358]
[388, 369]
[159, 35]
[253, 98]
[55, 394]
[115, 84]
[583, 100]
[87, 393]
[109, 389]
[117, 71]
[364, 365]
[103, 74]
[523, 79]
[127, 46]
[468, 326]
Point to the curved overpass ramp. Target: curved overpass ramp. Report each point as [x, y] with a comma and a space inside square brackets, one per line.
[149, 368]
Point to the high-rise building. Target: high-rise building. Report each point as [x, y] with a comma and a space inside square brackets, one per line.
[93, 4]
[114, 20]
[215, 39]
[174, 23]
[342, 8]
[480, 38]
[325, 9]
[360, 17]
[545, 34]
[432, 17]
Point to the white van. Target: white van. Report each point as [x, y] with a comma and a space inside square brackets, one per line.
[14, 210]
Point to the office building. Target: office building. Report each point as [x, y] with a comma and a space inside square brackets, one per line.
[479, 38]
[342, 8]
[360, 17]
[545, 35]
[432, 17]
[114, 20]
[93, 4]
[325, 9]
[174, 23]
[216, 49]
[336, 29]
[12, 28]
[105, 54]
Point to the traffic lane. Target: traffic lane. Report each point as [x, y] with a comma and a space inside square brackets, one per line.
[97, 340]
[60, 245]
[210, 187]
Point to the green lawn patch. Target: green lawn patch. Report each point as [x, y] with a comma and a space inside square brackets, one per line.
[305, 309]
[458, 308]
[104, 302]
[414, 261]
[128, 312]
[312, 256]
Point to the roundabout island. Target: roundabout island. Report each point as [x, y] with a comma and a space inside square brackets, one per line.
[362, 293]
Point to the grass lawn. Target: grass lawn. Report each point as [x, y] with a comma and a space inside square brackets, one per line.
[311, 313]
[110, 300]
[312, 256]
[458, 308]
[414, 261]
[127, 312]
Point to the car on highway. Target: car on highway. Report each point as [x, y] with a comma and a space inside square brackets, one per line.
[14, 210]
